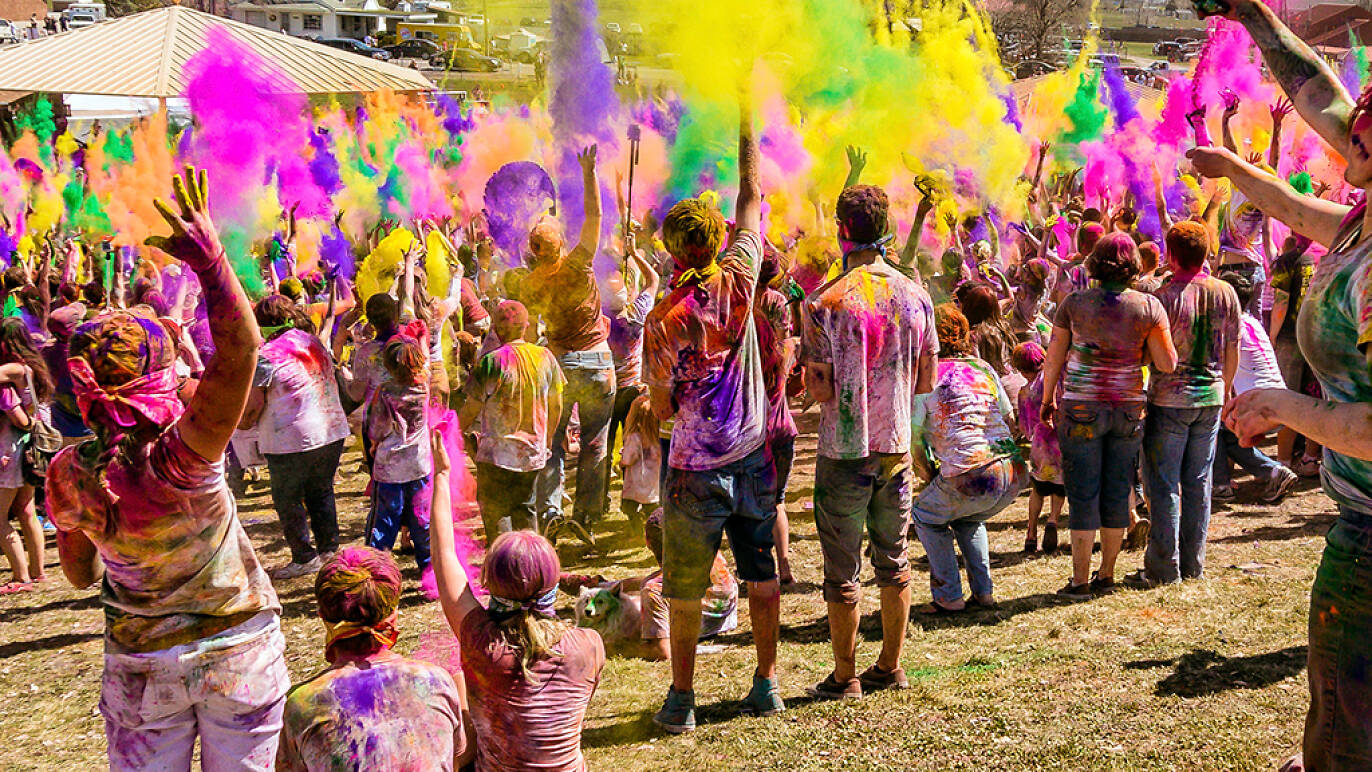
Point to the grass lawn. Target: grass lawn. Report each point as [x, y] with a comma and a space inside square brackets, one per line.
[1205, 676]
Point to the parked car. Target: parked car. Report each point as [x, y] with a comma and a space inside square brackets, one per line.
[354, 47]
[415, 48]
[79, 20]
[1031, 68]
[465, 60]
[7, 34]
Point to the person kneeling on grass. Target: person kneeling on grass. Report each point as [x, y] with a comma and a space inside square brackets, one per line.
[965, 423]
[372, 708]
[530, 675]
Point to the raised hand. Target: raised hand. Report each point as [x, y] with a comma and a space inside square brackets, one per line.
[857, 159]
[1231, 102]
[1280, 109]
[193, 239]
[587, 158]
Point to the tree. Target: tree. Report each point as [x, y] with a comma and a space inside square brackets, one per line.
[1036, 23]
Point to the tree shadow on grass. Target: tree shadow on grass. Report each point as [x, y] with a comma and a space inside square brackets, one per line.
[70, 604]
[1298, 527]
[639, 727]
[1202, 672]
[51, 643]
[974, 617]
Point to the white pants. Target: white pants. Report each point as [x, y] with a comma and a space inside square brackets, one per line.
[229, 690]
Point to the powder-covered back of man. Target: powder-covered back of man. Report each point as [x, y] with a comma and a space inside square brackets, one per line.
[700, 342]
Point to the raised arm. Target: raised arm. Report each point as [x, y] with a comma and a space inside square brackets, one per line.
[590, 227]
[213, 413]
[748, 209]
[454, 591]
[857, 161]
[1231, 109]
[1312, 217]
[1312, 86]
[907, 255]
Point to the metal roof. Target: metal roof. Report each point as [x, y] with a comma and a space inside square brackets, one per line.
[145, 54]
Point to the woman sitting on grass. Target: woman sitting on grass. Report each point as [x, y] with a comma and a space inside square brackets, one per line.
[530, 675]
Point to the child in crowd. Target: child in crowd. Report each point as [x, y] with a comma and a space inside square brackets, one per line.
[514, 403]
[641, 459]
[410, 714]
[1045, 457]
[530, 675]
[397, 428]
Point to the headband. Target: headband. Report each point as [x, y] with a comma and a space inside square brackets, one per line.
[504, 608]
[384, 632]
[152, 396]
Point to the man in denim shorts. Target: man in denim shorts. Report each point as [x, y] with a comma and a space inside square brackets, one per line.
[868, 346]
[704, 368]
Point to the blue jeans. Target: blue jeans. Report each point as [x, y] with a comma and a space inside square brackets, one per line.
[1251, 460]
[392, 507]
[1100, 454]
[591, 388]
[958, 508]
[1338, 728]
[1179, 454]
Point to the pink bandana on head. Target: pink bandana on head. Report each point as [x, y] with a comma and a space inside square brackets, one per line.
[152, 396]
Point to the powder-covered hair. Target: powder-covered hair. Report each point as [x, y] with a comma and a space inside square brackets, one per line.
[522, 566]
[1088, 236]
[954, 334]
[360, 585]
[693, 232]
[978, 302]
[405, 360]
[1115, 260]
[1028, 357]
[862, 212]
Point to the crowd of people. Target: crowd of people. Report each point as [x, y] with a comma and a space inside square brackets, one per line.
[1123, 380]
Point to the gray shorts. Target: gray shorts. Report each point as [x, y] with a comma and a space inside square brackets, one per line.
[853, 495]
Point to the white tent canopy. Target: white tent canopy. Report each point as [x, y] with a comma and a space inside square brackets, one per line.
[145, 54]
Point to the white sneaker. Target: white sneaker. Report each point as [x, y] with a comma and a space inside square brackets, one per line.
[293, 570]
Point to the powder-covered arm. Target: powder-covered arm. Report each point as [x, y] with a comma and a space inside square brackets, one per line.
[454, 591]
[214, 411]
[1316, 91]
[748, 208]
[1312, 217]
[590, 227]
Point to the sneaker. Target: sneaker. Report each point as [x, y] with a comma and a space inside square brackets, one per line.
[1100, 585]
[832, 689]
[762, 699]
[1279, 485]
[1139, 581]
[292, 570]
[1222, 493]
[47, 525]
[875, 679]
[1076, 591]
[678, 713]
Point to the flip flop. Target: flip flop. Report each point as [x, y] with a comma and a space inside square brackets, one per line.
[12, 588]
[934, 609]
